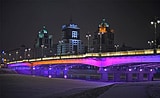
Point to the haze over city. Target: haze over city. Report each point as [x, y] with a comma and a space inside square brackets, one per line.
[21, 20]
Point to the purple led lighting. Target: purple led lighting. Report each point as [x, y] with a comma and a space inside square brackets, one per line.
[65, 69]
[100, 62]
[105, 69]
[151, 69]
[140, 70]
[109, 61]
[50, 76]
[33, 68]
[65, 76]
[130, 69]
[50, 68]
[19, 64]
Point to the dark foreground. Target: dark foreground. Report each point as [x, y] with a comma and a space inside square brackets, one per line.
[22, 86]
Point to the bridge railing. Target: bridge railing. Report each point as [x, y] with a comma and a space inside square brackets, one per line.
[119, 53]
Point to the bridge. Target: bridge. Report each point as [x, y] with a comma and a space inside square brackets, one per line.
[137, 65]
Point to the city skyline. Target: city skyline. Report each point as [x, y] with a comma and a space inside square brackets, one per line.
[22, 19]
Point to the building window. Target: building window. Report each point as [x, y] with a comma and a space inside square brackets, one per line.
[74, 34]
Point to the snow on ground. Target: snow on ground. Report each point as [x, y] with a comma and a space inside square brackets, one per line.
[7, 71]
[149, 89]
[22, 86]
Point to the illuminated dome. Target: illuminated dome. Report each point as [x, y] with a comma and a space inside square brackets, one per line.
[44, 30]
[103, 23]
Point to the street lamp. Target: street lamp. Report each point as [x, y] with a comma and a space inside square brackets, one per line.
[60, 42]
[155, 22]
[25, 51]
[42, 46]
[102, 30]
[10, 56]
[150, 43]
[16, 55]
[88, 36]
[116, 46]
[29, 54]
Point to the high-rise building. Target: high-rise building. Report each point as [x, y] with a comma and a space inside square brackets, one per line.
[107, 39]
[70, 42]
[44, 44]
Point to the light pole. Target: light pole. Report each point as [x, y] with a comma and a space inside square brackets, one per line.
[25, 51]
[155, 22]
[16, 55]
[42, 46]
[100, 41]
[150, 43]
[60, 42]
[10, 56]
[88, 37]
[116, 46]
[29, 54]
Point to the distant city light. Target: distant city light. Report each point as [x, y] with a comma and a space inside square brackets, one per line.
[2, 51]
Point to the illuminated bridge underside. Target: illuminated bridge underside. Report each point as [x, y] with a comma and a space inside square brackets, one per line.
[99, 62]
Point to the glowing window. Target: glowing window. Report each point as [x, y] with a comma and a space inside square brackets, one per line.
[74, 34]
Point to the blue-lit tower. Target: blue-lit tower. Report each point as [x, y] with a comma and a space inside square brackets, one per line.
[70, 42]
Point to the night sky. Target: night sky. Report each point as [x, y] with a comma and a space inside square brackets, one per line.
[20, 20]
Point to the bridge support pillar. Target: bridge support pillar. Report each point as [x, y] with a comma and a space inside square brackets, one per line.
[104, 74]
[116, 77]
[140, 76]
[57, 71]
[129, 77]
[150, 76]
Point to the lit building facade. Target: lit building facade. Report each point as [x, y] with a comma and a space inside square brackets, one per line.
[107, 38]
[44, 44]
[70, 42]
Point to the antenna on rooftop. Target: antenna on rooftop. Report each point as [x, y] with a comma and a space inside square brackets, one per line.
[71, 10]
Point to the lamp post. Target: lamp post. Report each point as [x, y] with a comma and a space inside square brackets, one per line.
[29, 54]
[100, 41]
[102, 30]
[16, 55]
[60, 42]
[88, 37]
[150, 43]
[116, 46]
[10, 56]
[25, 51]
[42, 46]
[155, 22]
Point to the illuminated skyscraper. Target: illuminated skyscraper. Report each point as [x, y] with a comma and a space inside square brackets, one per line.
[70, 42]
[44, 44]
[107, 38]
